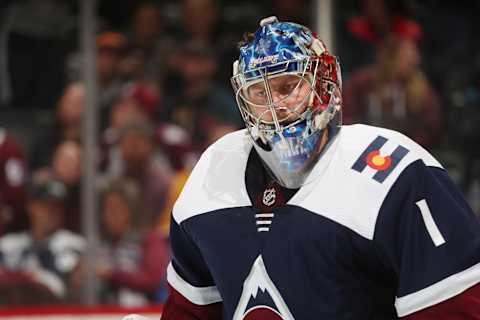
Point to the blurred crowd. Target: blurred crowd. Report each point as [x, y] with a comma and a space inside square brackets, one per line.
[163, 76]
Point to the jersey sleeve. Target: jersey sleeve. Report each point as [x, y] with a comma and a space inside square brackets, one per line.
[429, 238]
[465, 306]
[193, 294]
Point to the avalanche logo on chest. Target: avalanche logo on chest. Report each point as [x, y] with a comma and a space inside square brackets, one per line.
[260, 299]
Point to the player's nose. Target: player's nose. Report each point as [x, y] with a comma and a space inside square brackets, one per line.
[278, 99]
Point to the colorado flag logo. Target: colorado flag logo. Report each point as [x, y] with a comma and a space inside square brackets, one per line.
[382, 163]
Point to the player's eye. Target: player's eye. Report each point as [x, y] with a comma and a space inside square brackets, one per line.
[260, 94]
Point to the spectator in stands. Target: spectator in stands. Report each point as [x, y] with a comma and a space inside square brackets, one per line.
[395, 93]
[12, 184]
[177, 143]
[145, 95]
[131, 262]
[178, 146]
[139, 159]
[374, 23]
[148, 44]
[111, 48]
[66, 166]
[200, 21]
[123, 112]
[198, 103]
[137, 102]
[44, 258]
[146, 26]
[363, 32]
[67, 163]
[178, 181]
[67, 126]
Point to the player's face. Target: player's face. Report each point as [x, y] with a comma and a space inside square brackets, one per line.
[289, 94]
[116, 214]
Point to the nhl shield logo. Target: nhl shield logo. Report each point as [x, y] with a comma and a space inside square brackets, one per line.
[260, 299]
[269, 196]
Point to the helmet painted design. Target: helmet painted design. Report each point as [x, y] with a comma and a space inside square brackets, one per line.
[288, 89]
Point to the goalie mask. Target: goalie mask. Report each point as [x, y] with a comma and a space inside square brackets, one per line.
[288, 89]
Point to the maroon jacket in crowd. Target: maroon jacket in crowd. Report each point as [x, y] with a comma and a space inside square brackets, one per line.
[12, 183]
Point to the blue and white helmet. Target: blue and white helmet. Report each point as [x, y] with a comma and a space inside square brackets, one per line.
[288, 89]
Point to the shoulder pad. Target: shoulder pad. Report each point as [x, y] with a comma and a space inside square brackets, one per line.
[218, 179]
[367, 162]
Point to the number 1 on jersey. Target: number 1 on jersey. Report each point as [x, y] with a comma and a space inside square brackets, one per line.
[432, 228]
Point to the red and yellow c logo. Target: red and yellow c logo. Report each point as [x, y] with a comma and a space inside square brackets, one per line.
[378, 162]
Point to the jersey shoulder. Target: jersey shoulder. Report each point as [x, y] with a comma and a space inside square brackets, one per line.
[217, 180]
[379, 155]
[366, 163]
[360, 139]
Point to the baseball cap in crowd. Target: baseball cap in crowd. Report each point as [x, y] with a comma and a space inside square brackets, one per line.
[145, 95]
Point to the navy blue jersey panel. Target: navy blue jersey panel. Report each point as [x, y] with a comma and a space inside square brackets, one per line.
[335, 268]
[228, 241]
[404, 241]
[186, 259]
[320, 268]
